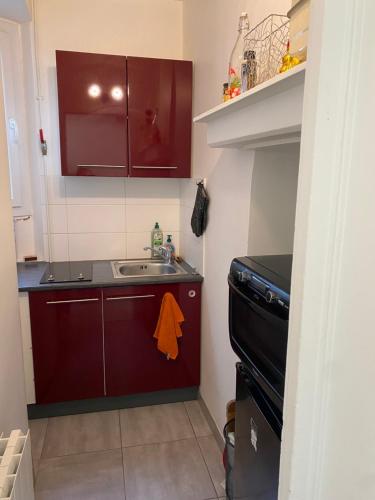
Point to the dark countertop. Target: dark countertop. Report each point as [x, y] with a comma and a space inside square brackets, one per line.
[30, 274]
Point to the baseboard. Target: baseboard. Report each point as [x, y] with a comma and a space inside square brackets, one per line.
[211, 422]
[106, 404]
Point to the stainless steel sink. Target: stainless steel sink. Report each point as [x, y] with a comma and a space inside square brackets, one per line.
[139, 268]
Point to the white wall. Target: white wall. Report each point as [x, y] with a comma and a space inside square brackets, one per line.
[191, 246]
[273, 201]
[12, 390]
[124, 210]
[209, 35]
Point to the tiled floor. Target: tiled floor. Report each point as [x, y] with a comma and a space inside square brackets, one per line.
[164, 452]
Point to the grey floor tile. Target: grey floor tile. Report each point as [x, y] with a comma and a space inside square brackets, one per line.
[166, 471]
[214, 460]
[155, 424]
[197, 418]
[82, 433]
[38, 429]
[89, 476]
[35, 467]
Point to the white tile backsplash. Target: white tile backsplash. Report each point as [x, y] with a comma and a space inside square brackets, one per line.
[185, 219]
[58, 219]
[108, 218]
[152, 192]
[59, 247]
[56, 189]
[136, 242]
[143, 217]
[95, 190]
[43, 215]
[42, 190]
[97, 246]
[96, 218]
[188, 192]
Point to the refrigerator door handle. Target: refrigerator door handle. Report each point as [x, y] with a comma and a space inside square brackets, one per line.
[257, 308]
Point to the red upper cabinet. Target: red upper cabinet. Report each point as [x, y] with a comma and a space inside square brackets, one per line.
[160, 117]
[93, 114]
[124, 116]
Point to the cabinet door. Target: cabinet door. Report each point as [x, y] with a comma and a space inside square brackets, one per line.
[67, 339]
[132, 360]
[160, 102]
[93, 114]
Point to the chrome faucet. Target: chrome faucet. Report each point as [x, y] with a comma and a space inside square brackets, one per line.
[163, 252]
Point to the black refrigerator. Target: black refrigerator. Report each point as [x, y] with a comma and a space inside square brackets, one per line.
[259, 297]
[258, 440]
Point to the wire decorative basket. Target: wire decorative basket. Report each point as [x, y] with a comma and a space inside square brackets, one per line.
[269, 41]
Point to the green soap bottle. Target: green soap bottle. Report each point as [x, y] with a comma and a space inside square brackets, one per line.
[156, 237]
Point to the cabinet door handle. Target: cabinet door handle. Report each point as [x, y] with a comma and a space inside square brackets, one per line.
[72, 301]
[101, 166]
[130, 297]
[145, 167]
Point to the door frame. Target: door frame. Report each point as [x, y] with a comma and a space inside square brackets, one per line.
[333, 189]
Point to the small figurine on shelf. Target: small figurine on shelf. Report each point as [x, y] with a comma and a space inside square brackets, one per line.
[288, 61]
[235, 84]
[226, 93]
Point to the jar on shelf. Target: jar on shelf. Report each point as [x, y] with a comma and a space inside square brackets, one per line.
[237, 56]
[299, 28]
[248, 71]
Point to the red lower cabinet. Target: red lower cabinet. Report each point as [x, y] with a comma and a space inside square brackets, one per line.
[67, 340]
[132, 362]
[79, 353]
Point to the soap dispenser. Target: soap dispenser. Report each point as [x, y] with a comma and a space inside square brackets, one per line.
[171, 247]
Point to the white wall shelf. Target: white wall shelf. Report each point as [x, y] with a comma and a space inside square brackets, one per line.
[268, 115]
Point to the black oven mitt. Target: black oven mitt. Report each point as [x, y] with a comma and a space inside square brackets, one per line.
[200, 212]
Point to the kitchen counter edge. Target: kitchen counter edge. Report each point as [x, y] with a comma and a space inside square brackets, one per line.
[30, 274]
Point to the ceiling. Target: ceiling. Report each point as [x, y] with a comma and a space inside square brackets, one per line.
[16, 10]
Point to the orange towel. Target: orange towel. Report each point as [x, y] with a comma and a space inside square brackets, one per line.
[168, 328]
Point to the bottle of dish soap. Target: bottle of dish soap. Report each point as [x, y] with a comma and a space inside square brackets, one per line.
[171, 247]
[156, 237]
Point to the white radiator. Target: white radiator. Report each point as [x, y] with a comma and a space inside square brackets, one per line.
[16, 480]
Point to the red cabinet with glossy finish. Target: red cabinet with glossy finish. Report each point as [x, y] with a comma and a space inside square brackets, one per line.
[67, 340]
[90, 343]
[160, 117]
[92, 114]
[124, 116]
[133, 363]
